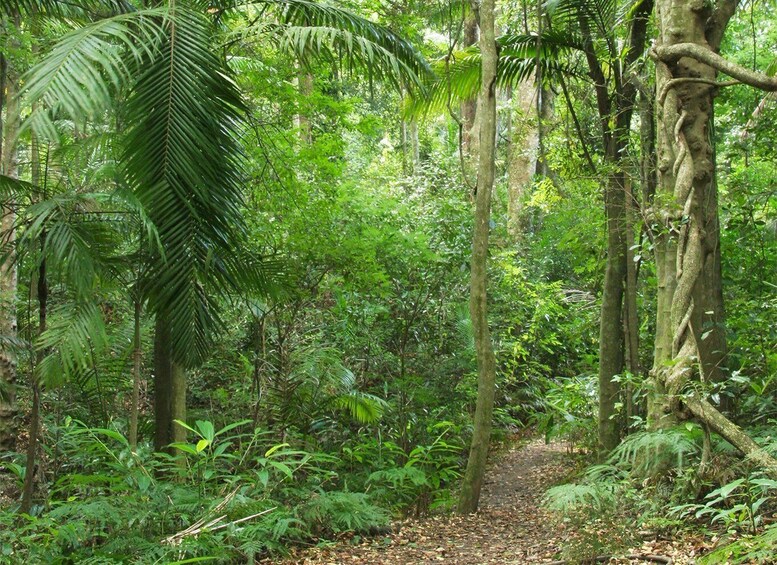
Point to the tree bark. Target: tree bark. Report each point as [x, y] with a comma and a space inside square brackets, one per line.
[178, 402]
[686, 67]
[523, 157]
[136, 357]
[303, 117]
[28, 489]
[163, 392]
[9, 132]
[469, 107]
[169, 391]
[478, 454]
[611, 323]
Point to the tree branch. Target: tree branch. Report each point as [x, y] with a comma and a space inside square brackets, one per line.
[718, 22]
[672, 53]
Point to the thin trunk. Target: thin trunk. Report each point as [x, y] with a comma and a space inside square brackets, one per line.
[469, 107]
[303, 117]
[178, 402]
[415, 147]
[403, 143]
[163, 367]
[28, 489]
[476, 465]
[615, 104]
[169, 391]
[611, 324]
[136, 357]
[713, 347]
[630, 318]
[9, 132]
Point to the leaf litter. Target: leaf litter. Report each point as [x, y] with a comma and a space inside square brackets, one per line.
[511, 527]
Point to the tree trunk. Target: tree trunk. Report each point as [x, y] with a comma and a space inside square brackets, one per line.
[163, 392]
[615, 106]
[611, 323]
[169, 391]
[303, 117]
[28, 489]
[686, 71]
[415, 146]
[524, 148]
[136, 357]
[631, 313]
[469, 107]
[9, 131]
[476, 465]
[178, 402]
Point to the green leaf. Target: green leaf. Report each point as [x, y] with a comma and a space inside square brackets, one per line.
[185, 447]
[207, 430]
[275, 448]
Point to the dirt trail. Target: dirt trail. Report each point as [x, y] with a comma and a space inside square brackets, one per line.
[510, 527]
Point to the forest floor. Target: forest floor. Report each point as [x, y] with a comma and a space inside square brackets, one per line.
[511, 526]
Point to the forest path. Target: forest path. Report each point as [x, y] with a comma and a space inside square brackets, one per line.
[510, 528]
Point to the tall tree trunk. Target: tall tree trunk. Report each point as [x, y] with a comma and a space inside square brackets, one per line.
[686, 72]
[178, 402]
[611, 323]
[486, 362]
[169, 390]
[631, 314]
[9, 132]
[137, 353]
[163, 391]
[523, 157]
[713, 347]
[28, 489]
[303, 117]
[615, 108]
[415, 146]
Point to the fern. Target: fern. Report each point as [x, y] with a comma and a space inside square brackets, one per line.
[338, 511]
[648, 454]
[592, 498]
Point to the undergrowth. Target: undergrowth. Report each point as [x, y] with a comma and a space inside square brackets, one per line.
[233, 495]
[662, 482]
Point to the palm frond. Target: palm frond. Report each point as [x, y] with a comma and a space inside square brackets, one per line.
[75, 334]
[314, 30]
[363, 407]
[75, 241]
[69, 9]
[599, 15]
[520, 56]
[80, 75]
[182, 162]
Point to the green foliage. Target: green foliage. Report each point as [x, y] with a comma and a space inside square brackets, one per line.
[654, 454]
[334, 512]
[568, 412]
[749, 549]
[736, 504]
[603, 502]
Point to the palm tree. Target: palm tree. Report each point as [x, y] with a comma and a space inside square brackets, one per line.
[158, 71]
